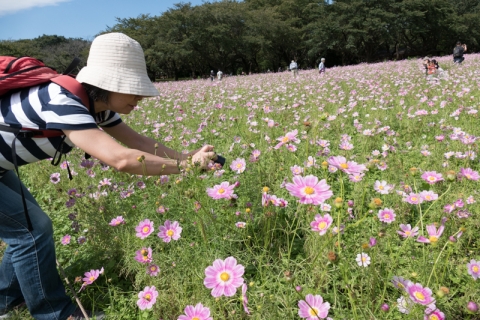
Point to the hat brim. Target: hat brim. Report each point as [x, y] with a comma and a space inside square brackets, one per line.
[121, 80]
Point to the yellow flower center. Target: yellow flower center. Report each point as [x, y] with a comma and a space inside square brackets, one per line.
[322, 225]
[434, 317]
[148, 297]
[468, 176]
[221, 190]
[313, 312]
[170, 233]
[224, 276]
[431, 178]
[433, 239]
[380, 187]
[364, 259]
[408, 232]
[146, 229]
[91, 278]
[285, 139]
[419, 296]
[344, 166]
[195, 318]
[414, 198]
[239, 165]
[428, 197]
[145, 258]
[386, 216]
[309, 190]
[475, 269]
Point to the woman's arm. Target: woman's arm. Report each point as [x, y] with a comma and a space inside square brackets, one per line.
[101, 146]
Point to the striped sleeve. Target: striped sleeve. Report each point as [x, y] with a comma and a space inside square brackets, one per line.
[64, 111]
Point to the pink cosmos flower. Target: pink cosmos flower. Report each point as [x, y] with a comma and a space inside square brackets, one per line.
[433, 234]
[199, 312]
[238, 165]
[349, 167]
[90, 277]
[153, 270]
[419, 294]
[413, 198]
[147, 297]
[435, 315]
[309, 190]
[473, 268]
[289, 137]
[296, 170]
[117, 221]
[223, 190]
[244, 298]
[313, 307]
[400, 282]
[432, 177]
[241, 224]
[469, 174]
[321, 224]
[428, 195]
[66, 239]
[382, 187]
[386, 215]
[144, 228]
[169, 231]
[55, 178]
[224, 277]
[407, 231]
[144, 255]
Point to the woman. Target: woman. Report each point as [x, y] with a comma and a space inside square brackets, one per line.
[115, 80]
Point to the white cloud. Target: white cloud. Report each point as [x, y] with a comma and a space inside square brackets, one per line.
[12, 6]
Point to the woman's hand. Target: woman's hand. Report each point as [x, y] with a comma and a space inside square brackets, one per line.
[201, 157]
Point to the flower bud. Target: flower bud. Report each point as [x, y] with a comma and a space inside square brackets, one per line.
[472, 306]
[324, 164]
[385, 307]
[338, 202]
[451, 175]
[350, 203]
[413, 171]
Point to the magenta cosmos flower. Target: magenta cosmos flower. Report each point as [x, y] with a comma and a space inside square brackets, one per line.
[432, 177]
[169, 231]
[309, 190]
[386, 215]
[313, 307]
[321, 224]
[473, 269]
[199, 312]
[419, 294]
[435, 315]
[413, 198]
[144, 255]
[238, 165]
[224, 277]
[66, 239]
[469, 174]
[223, 190]
[349, 167]
[244, 298]
[117, 221]
[144, 228]
[147, 298]
[153, 270]
[433, 234]
[90, 277]
[289, 137]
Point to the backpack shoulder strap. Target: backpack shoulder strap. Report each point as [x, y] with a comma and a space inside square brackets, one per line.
[74, 87]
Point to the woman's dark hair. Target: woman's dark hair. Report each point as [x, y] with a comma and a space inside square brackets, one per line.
[97, 94]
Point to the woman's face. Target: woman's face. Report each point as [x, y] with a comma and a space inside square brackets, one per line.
[123, 103]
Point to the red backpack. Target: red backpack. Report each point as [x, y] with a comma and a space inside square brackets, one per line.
[24, 72]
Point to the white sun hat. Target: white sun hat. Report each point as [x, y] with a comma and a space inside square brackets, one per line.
[116, 63]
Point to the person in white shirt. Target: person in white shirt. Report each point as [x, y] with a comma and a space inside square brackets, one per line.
[294, 68]
[321, 66]
[219, 75]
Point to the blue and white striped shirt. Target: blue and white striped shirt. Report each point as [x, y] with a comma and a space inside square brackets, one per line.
[47, 106]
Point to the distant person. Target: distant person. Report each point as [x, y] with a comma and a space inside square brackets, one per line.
[458, 52]
[279, 69]
[294, 68]
[321, 66]
[212, 75]
[219, 75]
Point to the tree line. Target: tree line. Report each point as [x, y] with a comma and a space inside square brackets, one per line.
[260, 35]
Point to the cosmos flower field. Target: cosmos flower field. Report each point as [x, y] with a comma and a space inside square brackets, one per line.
[347, 195]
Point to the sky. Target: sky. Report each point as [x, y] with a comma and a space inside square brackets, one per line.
[28, 19]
